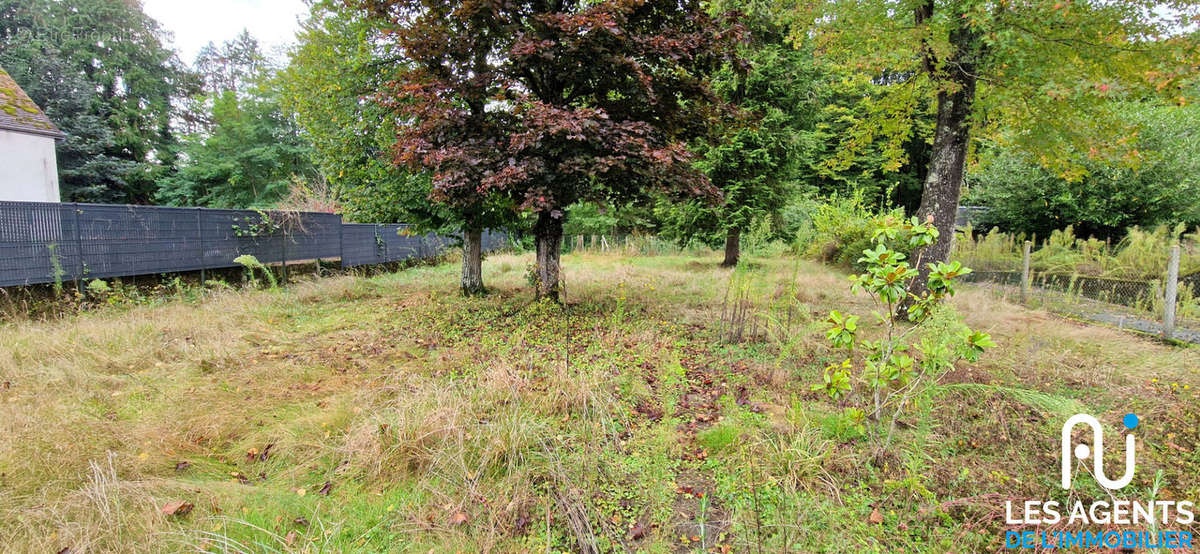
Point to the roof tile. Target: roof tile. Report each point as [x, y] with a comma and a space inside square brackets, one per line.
[19, 113]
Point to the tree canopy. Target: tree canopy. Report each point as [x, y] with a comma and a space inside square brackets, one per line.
[1037, 76]
[332, 83]
[756, 155]
[539, 106]
[1162, 188]
[100, 70]
[243, 150]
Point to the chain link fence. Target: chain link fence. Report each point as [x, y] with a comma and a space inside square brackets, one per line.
[54, 243]
[1167, 305]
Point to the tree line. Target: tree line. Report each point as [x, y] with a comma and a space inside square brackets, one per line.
[693, 120]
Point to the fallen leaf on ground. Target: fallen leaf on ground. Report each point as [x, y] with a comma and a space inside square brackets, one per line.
[180, 466]
[177, 508]
[458, 518]
[638, 531]
[1177, 447]
[875, 517]
[328, 486]
[290, 538]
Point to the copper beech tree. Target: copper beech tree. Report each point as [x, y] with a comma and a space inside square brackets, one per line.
[535, 105]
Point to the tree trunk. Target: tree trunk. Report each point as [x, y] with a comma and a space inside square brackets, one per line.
[733, 247]
[472, 263]
[548, 234]
[947, 164]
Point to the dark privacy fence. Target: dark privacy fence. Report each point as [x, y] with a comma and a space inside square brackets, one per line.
[376, 243]
[49, 242]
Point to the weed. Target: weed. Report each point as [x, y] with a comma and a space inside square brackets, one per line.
[250, 263]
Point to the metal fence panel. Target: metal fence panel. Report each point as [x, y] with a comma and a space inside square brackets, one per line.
[37, 242]
[367, 243]
[47, 242]
[128, 240]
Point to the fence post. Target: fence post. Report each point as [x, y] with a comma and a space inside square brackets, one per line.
[1172, 289]
[200, 243]
[283, 252]
[341, 241]
[78, 248]
[1026, 277]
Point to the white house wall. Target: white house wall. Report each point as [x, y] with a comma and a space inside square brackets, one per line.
[28, 167]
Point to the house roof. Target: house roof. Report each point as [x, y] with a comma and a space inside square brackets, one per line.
[19, 113]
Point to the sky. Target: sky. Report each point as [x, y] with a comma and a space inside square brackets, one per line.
[194, 23]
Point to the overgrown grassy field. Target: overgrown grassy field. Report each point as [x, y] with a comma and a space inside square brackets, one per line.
[390, 414]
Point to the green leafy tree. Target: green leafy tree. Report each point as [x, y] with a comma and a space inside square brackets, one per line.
[885, 170]
[247, 160]
[100, 70]
[1040, 76]
[756, 157]
[332, 83]
[540, 106]
[1163, 187]
[236, 65]
[245, 149]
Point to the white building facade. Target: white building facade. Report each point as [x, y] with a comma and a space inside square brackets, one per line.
[28, 165]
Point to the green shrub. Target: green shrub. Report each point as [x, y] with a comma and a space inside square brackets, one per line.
[843, 228]
[907, 360]
[98, 287]
[844, 426]
[1142, 254]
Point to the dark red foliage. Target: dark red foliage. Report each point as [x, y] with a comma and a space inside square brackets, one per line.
[544, 103]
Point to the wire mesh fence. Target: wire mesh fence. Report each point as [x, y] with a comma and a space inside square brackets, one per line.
[631, 244]
[376, 243]
[52, 242]
[1135, 303]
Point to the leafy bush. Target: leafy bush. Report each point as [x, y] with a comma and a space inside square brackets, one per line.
[844, 426]
[842, 229]
[250, 263]
[98, 287]
[908, 359]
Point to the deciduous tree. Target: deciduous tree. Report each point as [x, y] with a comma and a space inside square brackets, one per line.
[244, 149]
[249, 158]
[1035, 75]
[538, 105]
[1162, 188]
[332, 82]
